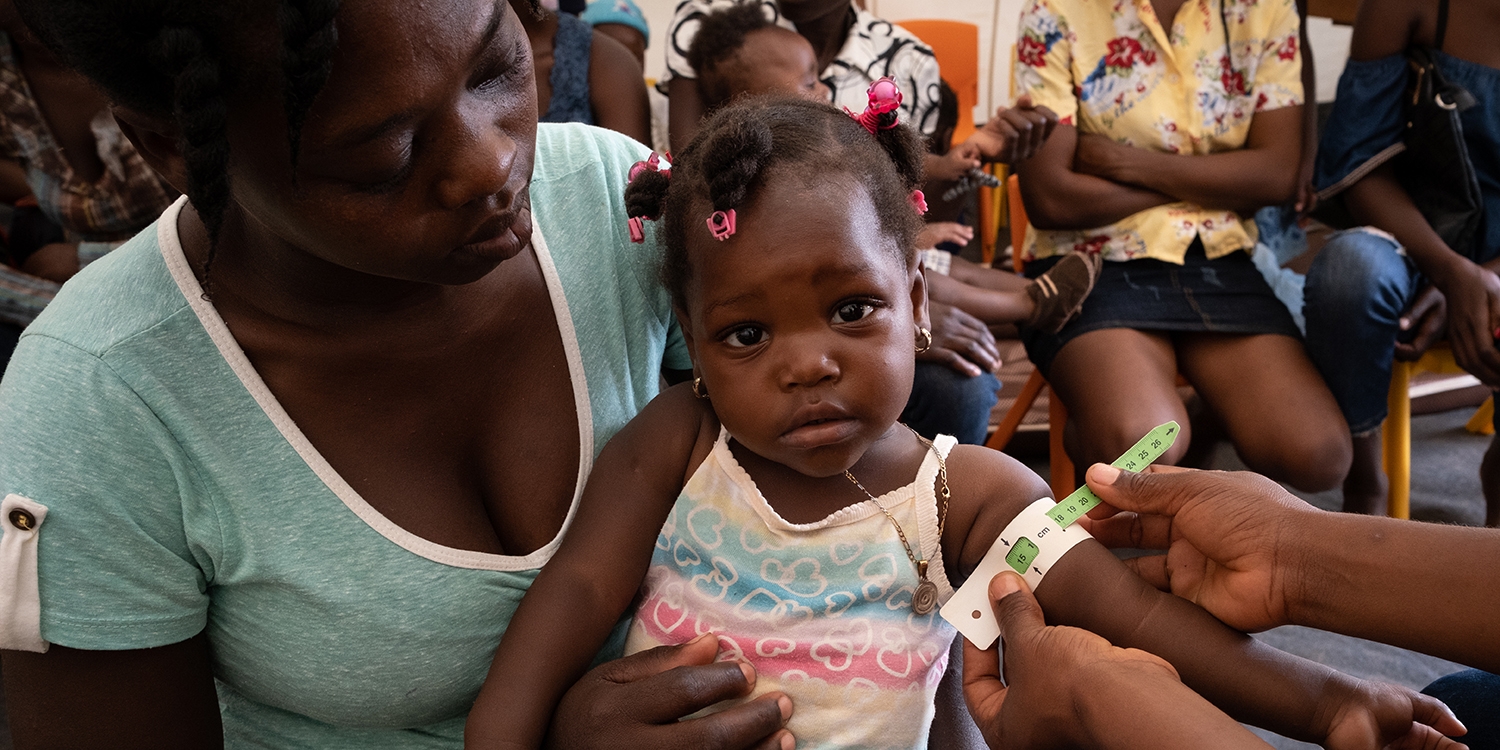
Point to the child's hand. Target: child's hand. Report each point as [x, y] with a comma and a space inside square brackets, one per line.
[1378, 714]
[954, 164]
[944, 231]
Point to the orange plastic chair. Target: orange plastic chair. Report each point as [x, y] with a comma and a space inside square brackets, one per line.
[956, 45]
[1061, 478]
[1396, 432]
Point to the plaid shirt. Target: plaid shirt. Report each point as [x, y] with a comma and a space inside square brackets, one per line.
[99, 214]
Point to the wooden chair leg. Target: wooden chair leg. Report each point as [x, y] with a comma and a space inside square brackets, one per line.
[1396, 437]
[1062, 466]
[1012, 421]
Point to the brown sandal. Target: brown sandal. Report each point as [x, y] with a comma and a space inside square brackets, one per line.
[1058, 294]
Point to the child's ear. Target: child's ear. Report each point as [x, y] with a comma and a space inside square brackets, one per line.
[155, 139]
[919, 296]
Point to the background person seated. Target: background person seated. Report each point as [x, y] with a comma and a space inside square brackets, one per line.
[584, 77]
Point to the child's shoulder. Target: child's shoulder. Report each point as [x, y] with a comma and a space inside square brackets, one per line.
[988, 488]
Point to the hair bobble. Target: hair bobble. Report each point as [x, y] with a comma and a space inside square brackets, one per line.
[885, 97]
[652, 163]
[721, 224]
[919, 201]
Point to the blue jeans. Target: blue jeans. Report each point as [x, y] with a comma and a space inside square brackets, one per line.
[1474, 697]
[1357, 289]
[945, 401]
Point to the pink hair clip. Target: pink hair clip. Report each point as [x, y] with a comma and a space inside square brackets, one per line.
[885, 96]
[651, 164]
[919, 201]
[721, 224]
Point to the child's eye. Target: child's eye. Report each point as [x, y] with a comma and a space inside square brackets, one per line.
[747, 336]
[852, 311]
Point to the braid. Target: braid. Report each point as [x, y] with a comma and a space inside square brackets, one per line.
[308, 38]
[198, 106]
[746, 143]
[906, 150]
[734, 156]
[646, 195]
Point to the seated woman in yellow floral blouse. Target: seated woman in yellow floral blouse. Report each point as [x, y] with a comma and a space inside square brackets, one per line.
[1172, 137]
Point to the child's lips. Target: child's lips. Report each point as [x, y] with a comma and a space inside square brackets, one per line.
[821, 431]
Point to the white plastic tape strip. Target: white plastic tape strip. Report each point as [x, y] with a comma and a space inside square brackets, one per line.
[1030, 545]
[20, 601]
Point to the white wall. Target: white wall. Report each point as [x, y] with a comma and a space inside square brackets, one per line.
[997, 21]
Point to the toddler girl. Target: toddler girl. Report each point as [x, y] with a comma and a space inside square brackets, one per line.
[776, 503]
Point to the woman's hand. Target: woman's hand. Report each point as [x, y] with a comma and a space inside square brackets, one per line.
[1233, 539]
[1473, 297]
[1068, 687]
[960, 341]
[1428, 317]
[639, 701]
[1015, 133]
[1099, 156]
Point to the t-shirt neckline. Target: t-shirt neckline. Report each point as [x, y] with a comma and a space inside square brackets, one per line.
[234, 356]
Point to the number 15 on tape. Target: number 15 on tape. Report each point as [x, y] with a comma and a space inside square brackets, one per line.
[1035, 540]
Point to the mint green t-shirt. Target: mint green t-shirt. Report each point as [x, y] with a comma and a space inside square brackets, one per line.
[181, 497]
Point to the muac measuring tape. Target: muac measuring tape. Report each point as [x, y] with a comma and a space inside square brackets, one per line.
[1036, 539]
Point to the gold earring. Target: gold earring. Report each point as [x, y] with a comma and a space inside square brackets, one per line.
[924, 339]
[698, 388]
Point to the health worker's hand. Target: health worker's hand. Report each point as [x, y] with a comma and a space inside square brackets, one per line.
[1067, 687]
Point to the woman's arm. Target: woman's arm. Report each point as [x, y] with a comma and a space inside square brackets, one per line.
[157, 697]
[1262, 173]
[577, 599]
[617, 89]
[1059, 197]
[684, 111]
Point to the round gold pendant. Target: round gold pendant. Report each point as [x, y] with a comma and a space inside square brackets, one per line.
[925, 598]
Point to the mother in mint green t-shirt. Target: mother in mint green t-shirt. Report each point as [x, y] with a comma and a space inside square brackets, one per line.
[279, 470]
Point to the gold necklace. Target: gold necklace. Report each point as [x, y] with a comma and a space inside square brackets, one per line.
[924, 598]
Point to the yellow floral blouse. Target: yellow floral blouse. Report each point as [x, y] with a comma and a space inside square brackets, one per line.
[1108, 67]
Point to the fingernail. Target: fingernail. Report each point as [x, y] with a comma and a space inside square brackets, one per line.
[749, 673]
[788, 742]
[785, 704]
[1404, 323]
[1004, 584]
[699, 638]
[1104, 473]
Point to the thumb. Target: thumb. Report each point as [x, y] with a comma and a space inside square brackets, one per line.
[1157, 490]
[697, 652]
[1015, 607]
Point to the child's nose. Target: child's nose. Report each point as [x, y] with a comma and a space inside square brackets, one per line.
[808, 366]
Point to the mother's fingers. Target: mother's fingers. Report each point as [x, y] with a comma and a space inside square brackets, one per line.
[756, 724]
[683, 690]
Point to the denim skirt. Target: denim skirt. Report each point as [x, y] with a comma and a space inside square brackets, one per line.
[1223, 295]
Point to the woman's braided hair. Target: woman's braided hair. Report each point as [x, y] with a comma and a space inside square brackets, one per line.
[184, 76]
[736, 148]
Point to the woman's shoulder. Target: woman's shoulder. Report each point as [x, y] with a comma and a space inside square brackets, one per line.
[113, 299]
[577, 151]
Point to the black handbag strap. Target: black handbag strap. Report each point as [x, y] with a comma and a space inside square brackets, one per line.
[1442, 25]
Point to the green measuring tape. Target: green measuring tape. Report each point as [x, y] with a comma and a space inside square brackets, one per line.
[1140, 455]
[1083, 499]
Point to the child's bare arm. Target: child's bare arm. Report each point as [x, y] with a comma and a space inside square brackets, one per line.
[1091, 589]
[577, 599]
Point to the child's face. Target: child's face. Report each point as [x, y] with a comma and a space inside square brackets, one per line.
[777, 61]
[416, 155]
[803, 324]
